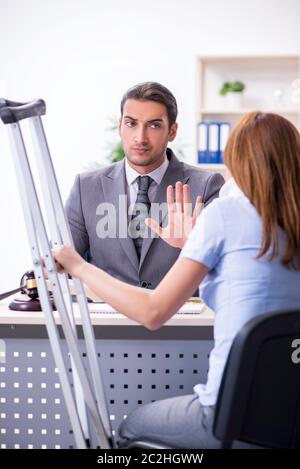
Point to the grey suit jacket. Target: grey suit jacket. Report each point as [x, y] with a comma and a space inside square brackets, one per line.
[117, 256]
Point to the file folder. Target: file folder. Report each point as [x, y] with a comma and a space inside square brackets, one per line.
[213, 143]
[202, 142]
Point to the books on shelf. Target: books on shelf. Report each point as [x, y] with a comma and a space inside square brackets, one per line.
[211, 141]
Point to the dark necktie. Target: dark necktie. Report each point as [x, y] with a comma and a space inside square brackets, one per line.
[140, 212]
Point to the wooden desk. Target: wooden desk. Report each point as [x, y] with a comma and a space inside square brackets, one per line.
[191, 314]
[183, 324]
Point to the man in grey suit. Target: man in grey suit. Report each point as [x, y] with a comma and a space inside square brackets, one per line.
[105, 197]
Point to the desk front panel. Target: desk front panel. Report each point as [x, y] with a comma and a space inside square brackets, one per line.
[138, 366]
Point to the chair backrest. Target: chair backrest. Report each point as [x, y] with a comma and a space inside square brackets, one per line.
[259, 397]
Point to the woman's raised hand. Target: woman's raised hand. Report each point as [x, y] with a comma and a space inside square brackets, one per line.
[181, 217]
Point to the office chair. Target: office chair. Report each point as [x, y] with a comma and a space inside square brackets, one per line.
[259, 397]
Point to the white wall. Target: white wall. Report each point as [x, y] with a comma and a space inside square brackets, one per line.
[81, 55]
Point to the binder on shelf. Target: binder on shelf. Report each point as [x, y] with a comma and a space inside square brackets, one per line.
[202, 142]
[213, 142]
[224, 132]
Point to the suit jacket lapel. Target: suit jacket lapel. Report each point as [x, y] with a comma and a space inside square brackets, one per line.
[173, 174]
[114, 186]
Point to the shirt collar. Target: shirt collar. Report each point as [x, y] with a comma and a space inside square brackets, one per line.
[231, 189]
[156, 175]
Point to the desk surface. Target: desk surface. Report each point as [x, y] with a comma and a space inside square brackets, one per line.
[191, 314]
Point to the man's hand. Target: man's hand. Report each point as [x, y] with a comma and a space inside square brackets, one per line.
[68, 260]
[181, 219]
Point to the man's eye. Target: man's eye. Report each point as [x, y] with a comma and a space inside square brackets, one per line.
[155, 125]
[129, 124]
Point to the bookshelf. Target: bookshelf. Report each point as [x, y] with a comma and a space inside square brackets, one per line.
[272, 85]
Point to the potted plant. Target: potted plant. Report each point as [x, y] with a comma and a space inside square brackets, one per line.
[233, 91]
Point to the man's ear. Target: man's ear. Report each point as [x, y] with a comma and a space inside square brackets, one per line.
[173, 132]
[119, 126]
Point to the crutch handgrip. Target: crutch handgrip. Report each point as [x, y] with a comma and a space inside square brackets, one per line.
[11, 111]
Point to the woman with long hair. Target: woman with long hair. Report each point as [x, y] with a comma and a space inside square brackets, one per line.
[243, 252]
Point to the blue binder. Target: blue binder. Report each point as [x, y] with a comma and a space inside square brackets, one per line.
[213, 142]
[202, 142]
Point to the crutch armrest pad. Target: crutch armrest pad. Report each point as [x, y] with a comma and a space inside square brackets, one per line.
[11, 111]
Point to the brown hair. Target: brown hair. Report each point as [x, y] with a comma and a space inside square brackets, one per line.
[263, 156]
[152, 91]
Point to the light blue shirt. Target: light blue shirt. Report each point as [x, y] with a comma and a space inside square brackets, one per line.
[227, 237]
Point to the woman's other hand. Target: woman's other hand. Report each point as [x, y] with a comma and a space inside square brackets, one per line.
[68, 260]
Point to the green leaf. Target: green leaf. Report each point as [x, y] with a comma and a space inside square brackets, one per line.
[117, 153]
[232, 86]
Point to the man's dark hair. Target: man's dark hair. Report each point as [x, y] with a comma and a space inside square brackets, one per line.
[152, 91]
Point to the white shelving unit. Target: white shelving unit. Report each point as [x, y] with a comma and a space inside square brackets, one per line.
[272, 85]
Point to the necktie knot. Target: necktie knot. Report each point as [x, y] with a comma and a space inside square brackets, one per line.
[144, 183]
